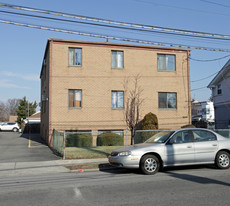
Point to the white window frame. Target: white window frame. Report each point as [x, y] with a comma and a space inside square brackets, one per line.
[76, 102]
[75, 56]
[167, 100]
[163, 63]
[116, 104]
[117, 59]
[219, 89]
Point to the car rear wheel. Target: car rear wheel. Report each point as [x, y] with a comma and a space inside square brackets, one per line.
[222, 160]
[15, 129]
[149, 164]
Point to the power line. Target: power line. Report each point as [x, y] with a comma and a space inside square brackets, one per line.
[111, 26]
[114, 38]
[209, 60]
[198, 88]
[179, 7]
[205, 77]
[218, 4]
[126, 24]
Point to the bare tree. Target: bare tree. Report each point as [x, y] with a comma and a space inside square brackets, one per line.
[8, 108]
[132, 104]
[3, 112]
[12, 106]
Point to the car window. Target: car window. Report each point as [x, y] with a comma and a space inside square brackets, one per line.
[201, 136]
[181, 137]
[160, 137]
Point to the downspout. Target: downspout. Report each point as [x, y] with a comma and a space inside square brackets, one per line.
[50, 93]
[189, 87]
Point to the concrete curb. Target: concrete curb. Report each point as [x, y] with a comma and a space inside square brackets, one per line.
[26, 168]
[24, 165]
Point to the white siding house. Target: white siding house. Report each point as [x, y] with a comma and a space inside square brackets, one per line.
[220, 86]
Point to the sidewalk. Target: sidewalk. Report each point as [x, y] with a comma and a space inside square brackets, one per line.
[44, 167]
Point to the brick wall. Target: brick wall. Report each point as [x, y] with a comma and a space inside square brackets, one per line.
[97, 79]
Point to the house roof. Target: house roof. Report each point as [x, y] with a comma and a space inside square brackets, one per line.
[220, 76]
[35, 115]
[115, 44]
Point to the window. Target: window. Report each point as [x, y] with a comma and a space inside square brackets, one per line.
[75, 98]
[219, 89]
[117, 59]
[205, 111]
[166, 62]
[75, 57]
[201, 136]
[167, 100]
[117, 99]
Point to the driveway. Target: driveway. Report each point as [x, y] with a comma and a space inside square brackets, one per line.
[15, 147]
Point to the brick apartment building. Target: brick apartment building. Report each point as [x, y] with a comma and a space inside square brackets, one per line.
[82, 85]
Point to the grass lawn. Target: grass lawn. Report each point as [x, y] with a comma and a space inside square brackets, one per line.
[89, 153]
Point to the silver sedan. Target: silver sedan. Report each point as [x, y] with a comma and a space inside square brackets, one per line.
[175, 148]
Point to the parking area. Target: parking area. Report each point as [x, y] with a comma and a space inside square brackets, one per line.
[15, 147]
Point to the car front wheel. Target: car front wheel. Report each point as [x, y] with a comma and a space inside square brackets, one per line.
[15, 129]
[149, 164]
[223, 160]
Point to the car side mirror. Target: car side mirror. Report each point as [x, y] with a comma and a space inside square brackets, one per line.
[171, 141]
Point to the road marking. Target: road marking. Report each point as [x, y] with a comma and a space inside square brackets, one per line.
[77, 193]
[29, 143]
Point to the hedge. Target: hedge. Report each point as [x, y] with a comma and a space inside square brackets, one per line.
[142, 136]
[79, 140]
[110, 139]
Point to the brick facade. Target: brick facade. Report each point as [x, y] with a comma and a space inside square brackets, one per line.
[97, 79]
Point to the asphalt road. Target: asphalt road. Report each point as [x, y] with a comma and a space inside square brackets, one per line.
[187, 186]
[15, 147]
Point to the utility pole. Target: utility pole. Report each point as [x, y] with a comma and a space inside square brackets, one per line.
[28, 114]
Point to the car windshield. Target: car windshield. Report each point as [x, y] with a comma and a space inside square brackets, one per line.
[160, 137]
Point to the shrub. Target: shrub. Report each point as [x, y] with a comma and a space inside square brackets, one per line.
[79, 140]
[188, 126]
[110, 139]
[150, 122]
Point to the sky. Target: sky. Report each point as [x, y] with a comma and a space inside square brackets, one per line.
[22, 49]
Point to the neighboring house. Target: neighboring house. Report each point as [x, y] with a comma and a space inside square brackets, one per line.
[82, 85]
[34, 118]
[33, 123]
[203, 111]
[220, 86]
[13, 118]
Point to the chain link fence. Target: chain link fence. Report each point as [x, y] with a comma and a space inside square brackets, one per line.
[59, 142]
[100, 144]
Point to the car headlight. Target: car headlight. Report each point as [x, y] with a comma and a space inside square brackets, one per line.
[125, 153]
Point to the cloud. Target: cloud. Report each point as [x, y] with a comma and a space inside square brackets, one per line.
[7, 84]
[27, 77]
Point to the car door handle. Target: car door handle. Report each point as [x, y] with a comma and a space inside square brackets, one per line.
[214, 145]
[189, 146]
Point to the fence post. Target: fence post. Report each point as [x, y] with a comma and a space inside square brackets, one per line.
[126, 136]
[64, 138]
[54, 139]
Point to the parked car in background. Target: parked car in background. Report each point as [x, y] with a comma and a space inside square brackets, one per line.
[189, 146]
[9, 126]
